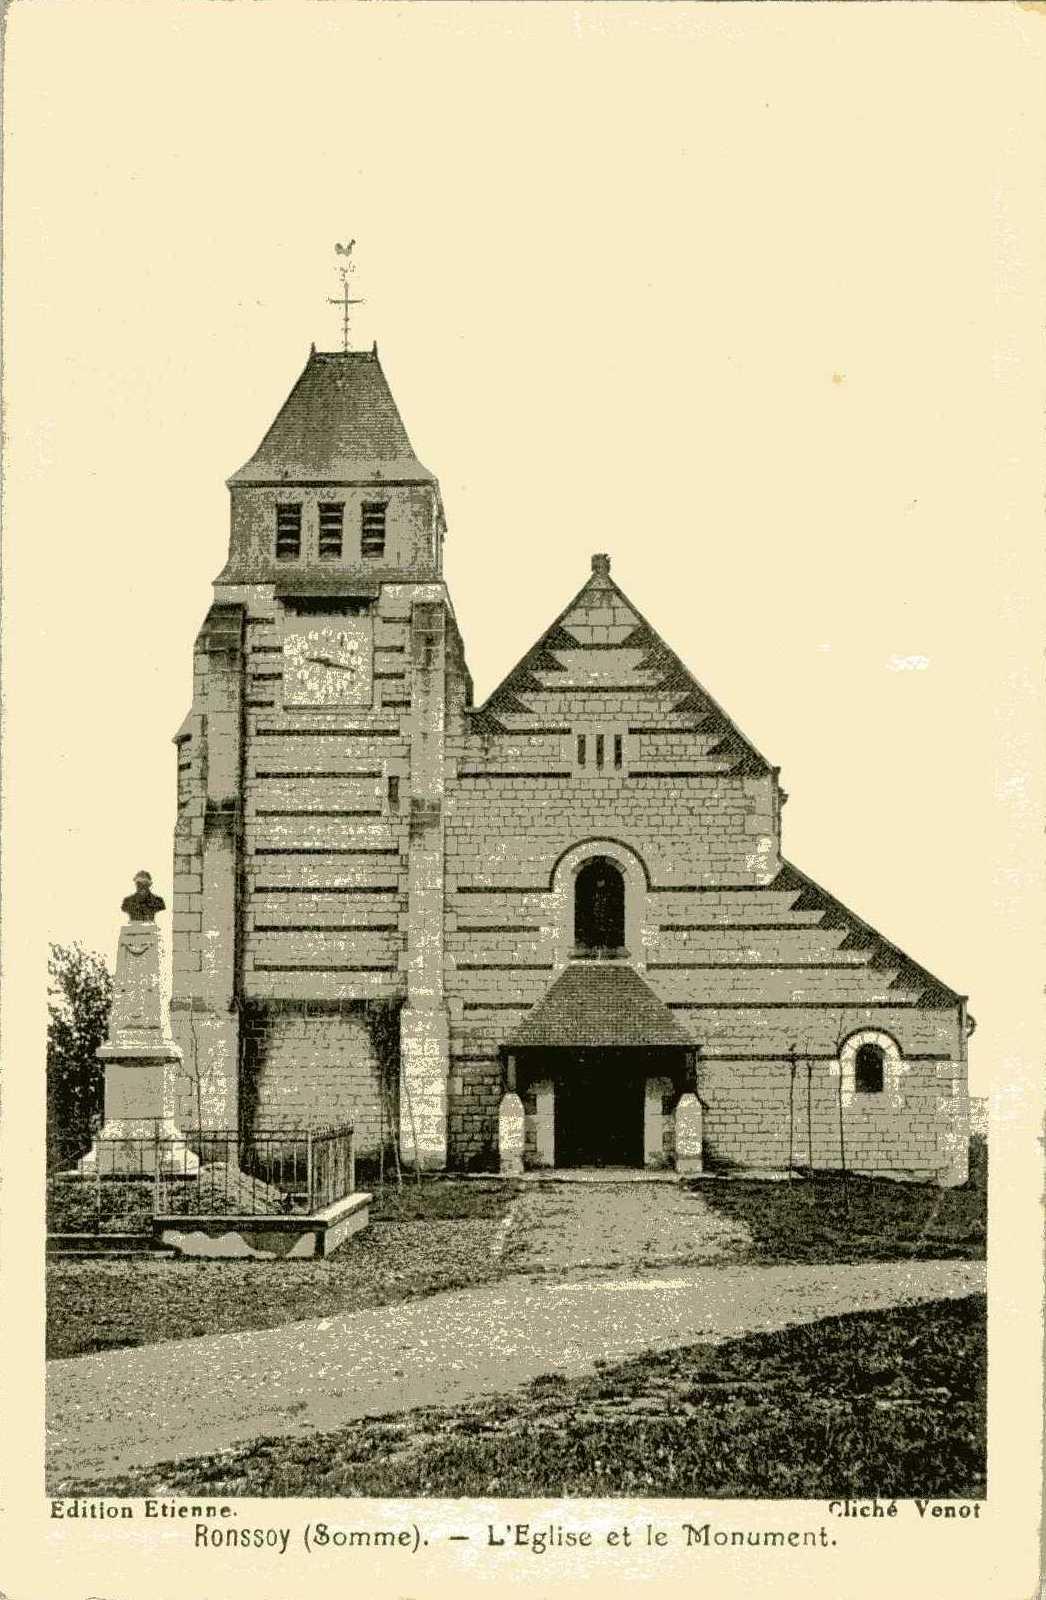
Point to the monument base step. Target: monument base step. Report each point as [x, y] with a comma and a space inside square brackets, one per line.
[66, 1245]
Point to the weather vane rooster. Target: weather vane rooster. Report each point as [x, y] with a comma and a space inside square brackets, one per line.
[344, 299]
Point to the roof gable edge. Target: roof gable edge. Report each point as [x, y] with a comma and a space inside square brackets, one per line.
[881, 945]
[485, 712]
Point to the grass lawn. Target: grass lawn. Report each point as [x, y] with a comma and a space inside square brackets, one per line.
[873, 1403]
[445, 1234]
[439, 1235]
[870, 1219]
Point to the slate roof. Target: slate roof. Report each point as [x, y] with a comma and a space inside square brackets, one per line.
[599, 1003]
[339, 424]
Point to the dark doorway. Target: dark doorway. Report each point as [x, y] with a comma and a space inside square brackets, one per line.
[599, 1113]
[599, 908]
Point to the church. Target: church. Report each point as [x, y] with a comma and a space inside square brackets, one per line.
[396, 908]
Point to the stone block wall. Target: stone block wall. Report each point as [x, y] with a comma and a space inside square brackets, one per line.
[474, 1090]
[508, 827]
[306, 1067]
[326, 793]
[909, 1129]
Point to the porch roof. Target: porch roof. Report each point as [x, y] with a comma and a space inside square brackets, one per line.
[601, 1004]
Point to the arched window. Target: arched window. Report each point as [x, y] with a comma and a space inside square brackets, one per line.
[599, 908]
[869, 1069]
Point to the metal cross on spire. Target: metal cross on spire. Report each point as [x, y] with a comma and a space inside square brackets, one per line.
[344, 299]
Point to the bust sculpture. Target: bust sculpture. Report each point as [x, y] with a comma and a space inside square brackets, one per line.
[143, 905]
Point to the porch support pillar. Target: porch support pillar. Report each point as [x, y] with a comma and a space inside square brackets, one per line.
[510, 1135]
[654, 1121]
[545, 1123]
[689, 1136]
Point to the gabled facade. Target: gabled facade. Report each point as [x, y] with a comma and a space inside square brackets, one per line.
[393, 907]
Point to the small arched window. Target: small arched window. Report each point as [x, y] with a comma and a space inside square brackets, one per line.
[869, 1069]
[599, 908]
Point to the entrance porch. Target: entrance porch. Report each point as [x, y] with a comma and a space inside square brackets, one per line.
[600, 1107]
[594, 1076]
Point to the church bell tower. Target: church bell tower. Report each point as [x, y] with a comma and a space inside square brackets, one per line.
[309, 845]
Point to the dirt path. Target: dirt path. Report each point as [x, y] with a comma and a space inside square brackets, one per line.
[132, 1408]
[563, 1227]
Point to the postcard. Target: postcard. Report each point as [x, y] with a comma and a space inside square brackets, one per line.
[522, 879]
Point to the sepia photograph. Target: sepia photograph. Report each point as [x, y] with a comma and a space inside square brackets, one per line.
[509, 1020]
[523, 792]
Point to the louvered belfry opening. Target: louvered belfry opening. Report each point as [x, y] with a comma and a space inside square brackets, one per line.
[288, 531]
[372, 528]
[332, 517]
[599, 909]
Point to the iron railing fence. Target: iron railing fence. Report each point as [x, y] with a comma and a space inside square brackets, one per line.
[207, 1172]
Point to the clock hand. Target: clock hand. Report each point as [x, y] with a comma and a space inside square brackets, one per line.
[328, 661]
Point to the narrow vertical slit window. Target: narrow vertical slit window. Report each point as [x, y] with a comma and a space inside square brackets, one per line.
[617, 750]
[394, 794]
[599, 749]
[581, 749]
[288, 532]
[372, 527]
[332, 518]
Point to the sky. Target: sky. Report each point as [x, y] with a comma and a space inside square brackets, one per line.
[759, 320]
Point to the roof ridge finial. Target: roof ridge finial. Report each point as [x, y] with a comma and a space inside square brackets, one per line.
[344, 299]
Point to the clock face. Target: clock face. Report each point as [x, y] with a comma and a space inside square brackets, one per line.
[328, 663]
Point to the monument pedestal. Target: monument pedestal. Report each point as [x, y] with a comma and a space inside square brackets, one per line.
[139, 1134]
